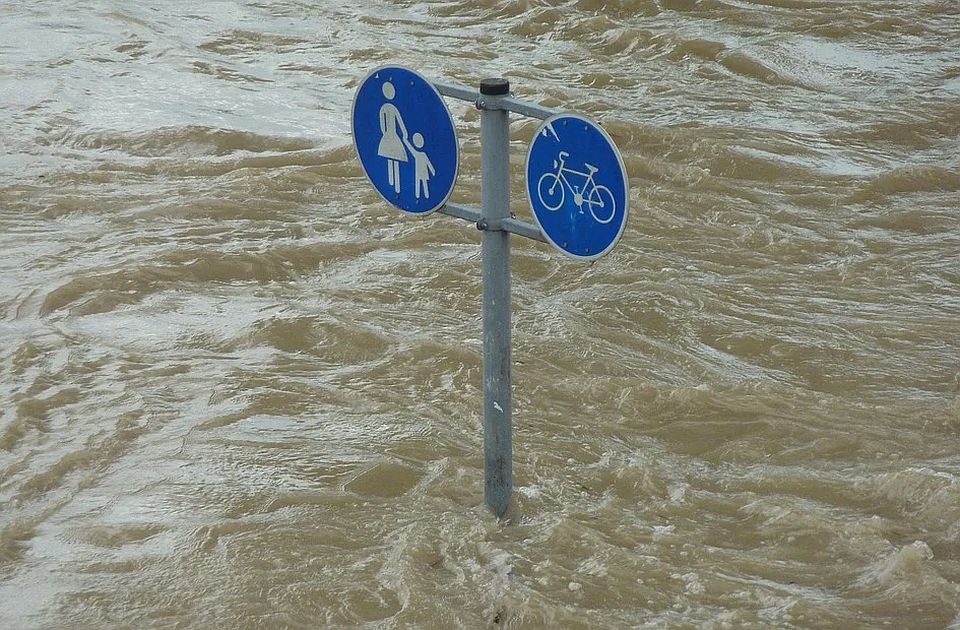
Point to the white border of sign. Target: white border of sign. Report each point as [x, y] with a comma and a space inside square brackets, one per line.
[623, 170]
[456, 138]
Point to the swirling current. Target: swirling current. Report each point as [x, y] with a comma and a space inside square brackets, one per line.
[241, 391]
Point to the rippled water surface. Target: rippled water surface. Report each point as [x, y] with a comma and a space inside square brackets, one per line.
[240, 391]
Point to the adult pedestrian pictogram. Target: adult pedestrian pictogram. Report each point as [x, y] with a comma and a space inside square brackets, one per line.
[392, 130]
[405, 139]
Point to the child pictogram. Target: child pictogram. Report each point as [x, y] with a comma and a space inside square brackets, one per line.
[423, 167]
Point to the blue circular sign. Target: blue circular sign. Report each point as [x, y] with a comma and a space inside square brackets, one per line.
[405, 139]
[577, 186]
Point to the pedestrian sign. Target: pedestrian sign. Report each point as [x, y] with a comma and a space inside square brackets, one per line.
[405, 139]
[577, 186]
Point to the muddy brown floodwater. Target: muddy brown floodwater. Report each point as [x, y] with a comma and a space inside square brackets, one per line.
[239, 391]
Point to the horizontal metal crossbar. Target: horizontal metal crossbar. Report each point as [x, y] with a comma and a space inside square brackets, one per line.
[486, 101]
[460, 212]
[461, 92]
[503, 103]
[514, 226]
[522, 228]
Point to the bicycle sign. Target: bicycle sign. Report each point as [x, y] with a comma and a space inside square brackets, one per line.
[552, 194]
[577, 186]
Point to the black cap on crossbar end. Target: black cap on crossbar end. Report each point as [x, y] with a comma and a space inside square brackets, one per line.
[494, 87]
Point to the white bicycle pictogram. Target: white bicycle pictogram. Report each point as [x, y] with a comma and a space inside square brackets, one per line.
[598, 199]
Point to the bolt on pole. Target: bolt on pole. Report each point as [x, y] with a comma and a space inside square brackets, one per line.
[495, 199]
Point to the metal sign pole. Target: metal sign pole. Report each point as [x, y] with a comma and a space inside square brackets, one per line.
[495, 199]
[420, 175]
